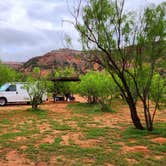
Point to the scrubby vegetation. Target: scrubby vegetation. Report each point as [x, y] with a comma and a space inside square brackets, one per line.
[98, 87]
[8, 75]
[127, 47]
[129, 90]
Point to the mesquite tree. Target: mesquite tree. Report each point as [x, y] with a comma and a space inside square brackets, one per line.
[36, 87]
[98, 87]
[128, 46]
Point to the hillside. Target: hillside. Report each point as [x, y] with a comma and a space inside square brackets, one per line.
[57, 58]
[14, 65]
[64, 58]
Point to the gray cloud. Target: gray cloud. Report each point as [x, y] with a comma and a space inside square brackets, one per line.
[53, 12]
[18, 37]
[33, 27]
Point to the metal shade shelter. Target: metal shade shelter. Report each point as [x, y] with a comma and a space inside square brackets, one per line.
[64, 79]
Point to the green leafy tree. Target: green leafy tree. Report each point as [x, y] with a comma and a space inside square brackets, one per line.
[120, 41]
[158, 90]
[36, 87]
[98, 87]
[8, 75]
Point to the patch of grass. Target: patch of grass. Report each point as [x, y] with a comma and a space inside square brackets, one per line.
[134, 155]
[23, 126]
[151, 161]
[42, 114]
[32, 152]
[82, 123]
[46, 147]
[57, 126]
[99, 155]
[5, 122]
[134, 133]
[27, 126]
[57, 141]
[143, 138]
[85, 108]
[159, 130]
[12, 135]
[115, 146]
[95, 133]
[158, 147]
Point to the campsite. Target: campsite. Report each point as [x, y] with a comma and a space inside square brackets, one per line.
[83, 83]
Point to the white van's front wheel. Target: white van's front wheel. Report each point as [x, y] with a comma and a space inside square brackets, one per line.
[3, 101]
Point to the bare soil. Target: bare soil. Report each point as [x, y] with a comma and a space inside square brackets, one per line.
[60, 113]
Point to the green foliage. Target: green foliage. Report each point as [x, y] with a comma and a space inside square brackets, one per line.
[64, 72]
[158, 89]
[8, 75]
[36, 70]
[62, 88]
[127, 46]
[97, 87]
[36, 88]
[68, 41]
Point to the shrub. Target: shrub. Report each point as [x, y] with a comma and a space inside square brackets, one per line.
[98, 87]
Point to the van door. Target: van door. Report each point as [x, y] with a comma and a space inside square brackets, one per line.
[11, 94]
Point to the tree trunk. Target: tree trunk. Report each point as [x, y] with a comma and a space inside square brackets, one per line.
[132, 105]
[34, 106]
[148, 119]
[134, 116]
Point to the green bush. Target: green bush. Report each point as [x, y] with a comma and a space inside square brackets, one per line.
[98, 87]
[7, 74]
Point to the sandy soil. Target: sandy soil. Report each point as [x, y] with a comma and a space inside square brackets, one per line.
[13, 158]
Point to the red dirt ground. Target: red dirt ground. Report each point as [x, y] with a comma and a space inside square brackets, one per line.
[13, 158]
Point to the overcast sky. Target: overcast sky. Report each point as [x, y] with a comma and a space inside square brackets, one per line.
[31, 28]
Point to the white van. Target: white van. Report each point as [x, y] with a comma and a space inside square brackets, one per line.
[15, 92]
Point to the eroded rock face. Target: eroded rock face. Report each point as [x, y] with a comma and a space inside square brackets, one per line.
[60, 58]
[57, 58]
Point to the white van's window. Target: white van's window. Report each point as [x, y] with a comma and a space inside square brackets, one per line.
[4, 87]
[11, 88]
